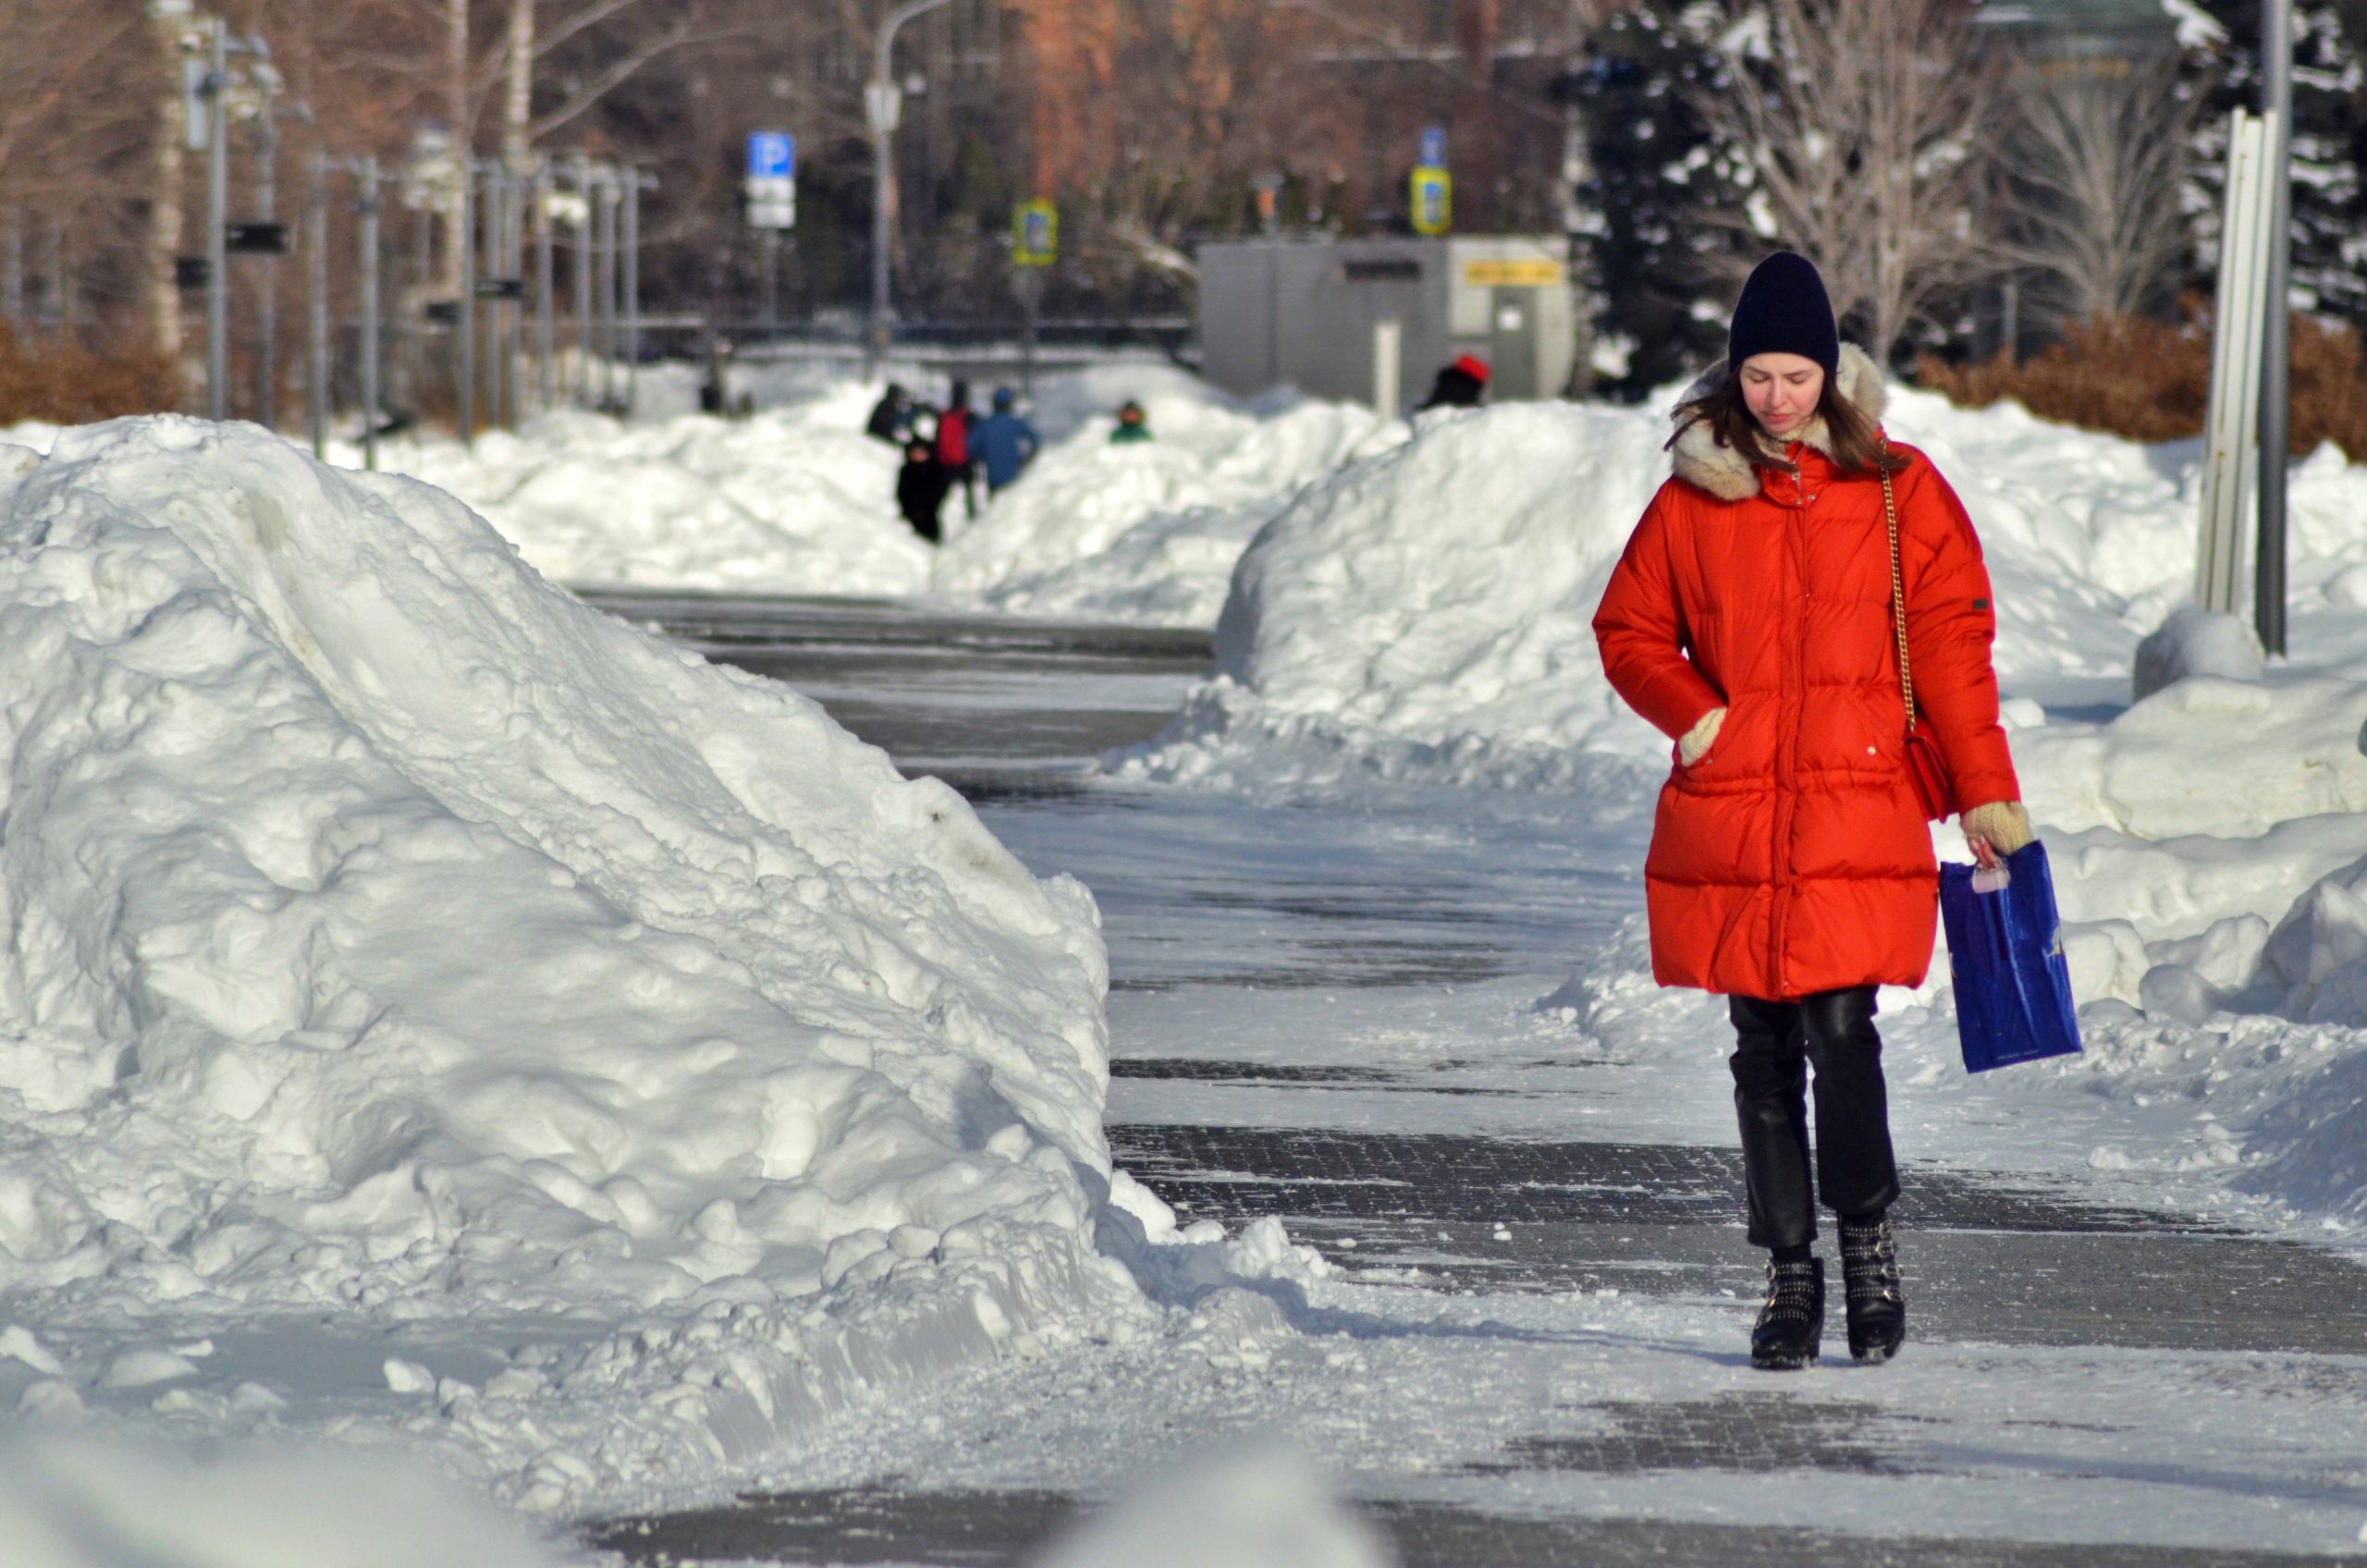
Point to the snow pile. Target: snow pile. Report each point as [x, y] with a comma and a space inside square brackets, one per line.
[1257, 1507]
[73, 1503]
[1422, 618]
[2197, 641]
[393, 940]
[1430, 608]
[794, 499]
[1150, 531]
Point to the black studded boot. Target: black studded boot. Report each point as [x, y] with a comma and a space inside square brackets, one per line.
[1877, 1308]
[1791, 1324]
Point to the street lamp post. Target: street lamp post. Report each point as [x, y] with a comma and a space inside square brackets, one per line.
[2276, 353]
[883, 107]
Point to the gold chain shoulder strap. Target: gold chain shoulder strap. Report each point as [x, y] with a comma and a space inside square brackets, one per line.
[1898, 585]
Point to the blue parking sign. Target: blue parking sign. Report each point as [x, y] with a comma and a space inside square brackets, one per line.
[772, 154]
[1433, 149]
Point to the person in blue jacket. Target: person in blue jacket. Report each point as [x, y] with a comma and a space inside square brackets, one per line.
[1004, 441]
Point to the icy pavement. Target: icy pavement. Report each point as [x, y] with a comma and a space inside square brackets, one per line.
[1527, 1348]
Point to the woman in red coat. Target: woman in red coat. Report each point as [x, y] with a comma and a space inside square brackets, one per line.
[1791, 866]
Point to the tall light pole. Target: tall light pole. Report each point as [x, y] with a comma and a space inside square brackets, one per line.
[2276, 348]
[217, 218]
[883, 107]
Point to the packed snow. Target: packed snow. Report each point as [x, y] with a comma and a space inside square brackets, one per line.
[1148, 531]
[796, 500]
[399, 946]
[1423, 618]
[443, 1024]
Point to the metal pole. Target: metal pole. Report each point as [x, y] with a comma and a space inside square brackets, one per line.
[607, 286]
[2276, 381]
[519, 190]
[316, 322]
[584, 282]
[61, 278]
[1031, 294]
[12, 271]
[632, 285]
[369, 210]
[464, 219]
[268, 303]
[496, 227]
[771, 250]
[881, 195]
[546, 335]
[218, 217]
[881, 107]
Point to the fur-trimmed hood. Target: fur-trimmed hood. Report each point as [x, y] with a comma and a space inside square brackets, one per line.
[1726, 473]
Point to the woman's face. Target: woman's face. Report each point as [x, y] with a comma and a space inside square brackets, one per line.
[1782, 392]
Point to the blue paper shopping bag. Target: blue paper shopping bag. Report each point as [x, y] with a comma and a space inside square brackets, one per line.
[2005, 946]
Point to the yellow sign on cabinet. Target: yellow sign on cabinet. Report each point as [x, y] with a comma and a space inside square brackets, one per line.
[1534, 273]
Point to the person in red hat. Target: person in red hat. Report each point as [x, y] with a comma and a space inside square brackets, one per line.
[1463, 384]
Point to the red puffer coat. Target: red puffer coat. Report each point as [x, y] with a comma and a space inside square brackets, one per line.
[1794, 858]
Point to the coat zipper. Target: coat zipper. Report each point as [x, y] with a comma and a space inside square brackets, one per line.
[1796, 692]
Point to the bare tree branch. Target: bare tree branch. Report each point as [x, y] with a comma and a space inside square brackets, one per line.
[618, 71]
[591, 17]
[2091, 195]
[1864, 126]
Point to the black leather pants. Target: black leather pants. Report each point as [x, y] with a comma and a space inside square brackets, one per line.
[1776, 1043]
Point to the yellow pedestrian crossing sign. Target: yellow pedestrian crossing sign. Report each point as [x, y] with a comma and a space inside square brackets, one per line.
[1035, 234]
[1433, 201]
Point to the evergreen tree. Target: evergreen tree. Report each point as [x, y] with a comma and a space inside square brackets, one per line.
[2329, 146]
[1653, 165]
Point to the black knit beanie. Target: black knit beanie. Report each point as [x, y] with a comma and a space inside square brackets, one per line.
[1784, 310]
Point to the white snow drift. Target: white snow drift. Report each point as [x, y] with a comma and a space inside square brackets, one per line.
[1148, 531]
[1423, 617]
[793, 499]
[393, 940]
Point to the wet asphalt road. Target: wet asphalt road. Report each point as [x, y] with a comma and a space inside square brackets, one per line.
[1008, 713]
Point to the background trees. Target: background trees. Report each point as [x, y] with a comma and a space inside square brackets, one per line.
[1926, 159]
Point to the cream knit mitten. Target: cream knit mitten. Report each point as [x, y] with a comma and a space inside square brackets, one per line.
[1695, 743]
[2003, 823]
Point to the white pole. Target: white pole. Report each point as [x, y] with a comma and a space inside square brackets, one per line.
[1388, 357]
[2230, 440]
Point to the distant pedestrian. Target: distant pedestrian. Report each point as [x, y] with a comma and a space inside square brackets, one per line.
[1005, 442]
[1134, 424]
[892, 417]
[955, 454]
[920, 489]
[1463, 384]
[1752, 620]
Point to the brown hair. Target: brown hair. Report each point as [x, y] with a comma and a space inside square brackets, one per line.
[1854, 443]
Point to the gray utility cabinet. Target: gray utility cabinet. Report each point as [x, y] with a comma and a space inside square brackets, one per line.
[1318, 315]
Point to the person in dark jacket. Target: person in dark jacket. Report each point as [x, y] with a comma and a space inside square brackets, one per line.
[956, 426]
[1463, 384]
[1004, 441]
[920, 489]
[891, 417]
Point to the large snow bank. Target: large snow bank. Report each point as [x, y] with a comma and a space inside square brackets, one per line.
[1434, 601]
[1147, 531]
[67, 1502]
[1423, 617]
[796, 500]
[793, 499]
[392, 942]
